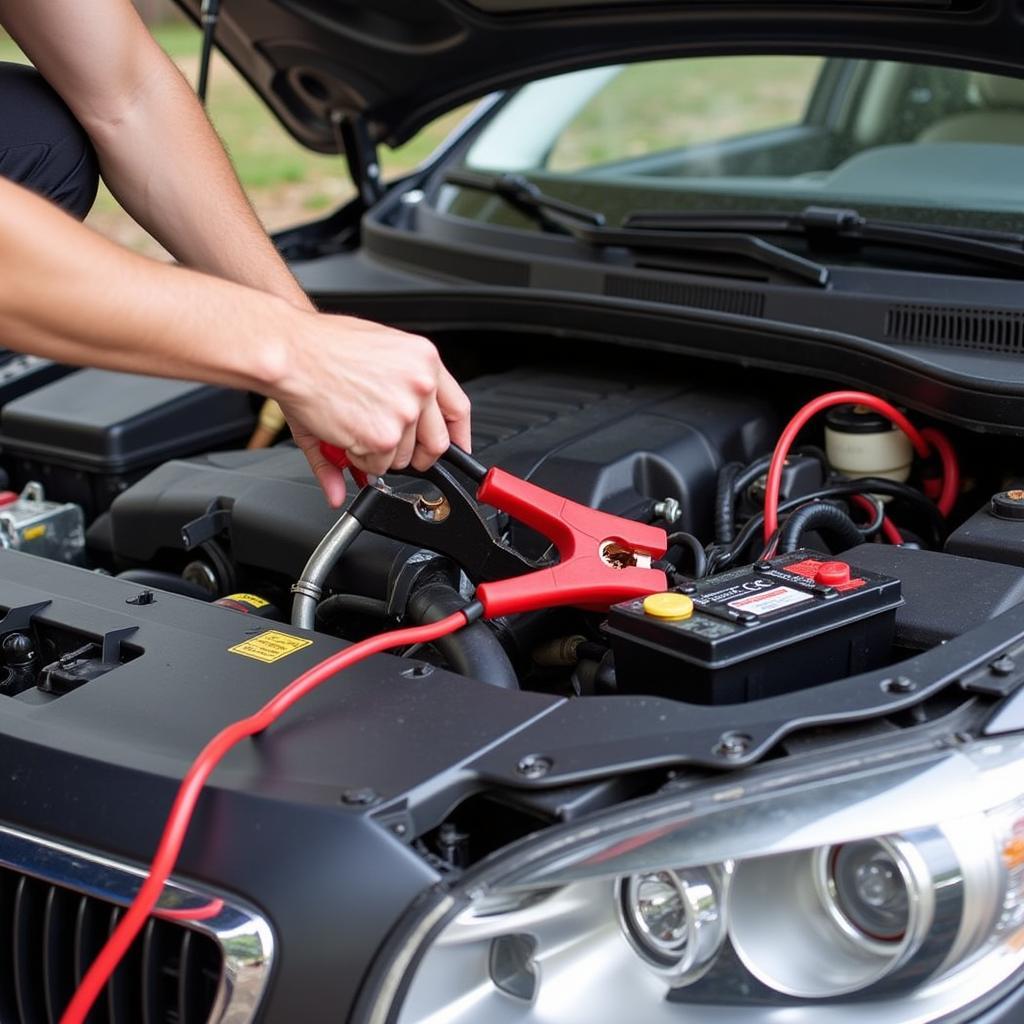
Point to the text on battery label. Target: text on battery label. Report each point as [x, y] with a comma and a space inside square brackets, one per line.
[769, 600]
[754, 586]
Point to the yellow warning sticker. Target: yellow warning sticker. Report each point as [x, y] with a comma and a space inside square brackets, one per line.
[33, 532]
[253, 599]
[270, 646]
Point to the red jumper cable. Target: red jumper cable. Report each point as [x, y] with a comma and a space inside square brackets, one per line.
[604, 559]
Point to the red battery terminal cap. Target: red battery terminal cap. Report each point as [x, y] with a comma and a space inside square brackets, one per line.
[832, 574]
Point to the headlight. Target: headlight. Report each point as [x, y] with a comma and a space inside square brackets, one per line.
[891, 891]
[675, 920]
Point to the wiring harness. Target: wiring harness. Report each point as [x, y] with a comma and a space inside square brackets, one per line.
[823, 508]
[924, 442]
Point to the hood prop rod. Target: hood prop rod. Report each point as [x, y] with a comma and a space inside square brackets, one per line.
[352, 137]
[209, 14]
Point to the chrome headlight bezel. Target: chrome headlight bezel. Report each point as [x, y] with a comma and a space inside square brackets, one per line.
[701, 892]
[936, 798]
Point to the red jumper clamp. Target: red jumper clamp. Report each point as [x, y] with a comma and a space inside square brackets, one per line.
[603, 559]
[339, 457]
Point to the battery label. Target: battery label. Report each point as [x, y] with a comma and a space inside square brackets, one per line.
[769, 600]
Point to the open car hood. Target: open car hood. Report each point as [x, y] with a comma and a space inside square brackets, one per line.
[400, 63]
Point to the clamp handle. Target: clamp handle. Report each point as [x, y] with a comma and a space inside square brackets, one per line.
[588, 574]
[338, 457]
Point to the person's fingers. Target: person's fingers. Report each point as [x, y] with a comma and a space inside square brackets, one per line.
[387, 404]
[455, 408]
[431, 437]
[331, 479]
[375, 462]
[403, 453]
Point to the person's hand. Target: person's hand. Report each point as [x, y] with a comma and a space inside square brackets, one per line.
[382, 395]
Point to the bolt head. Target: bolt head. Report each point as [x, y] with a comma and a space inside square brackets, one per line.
[358, 796]
[733, 744]
[534, 766]
[899, 684]
[669, 509]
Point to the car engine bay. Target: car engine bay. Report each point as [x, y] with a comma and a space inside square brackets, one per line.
[162, 604]
[235, 528]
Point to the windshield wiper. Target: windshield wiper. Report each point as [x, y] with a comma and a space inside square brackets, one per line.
[528, 199]
[588, 226]
[823, 223]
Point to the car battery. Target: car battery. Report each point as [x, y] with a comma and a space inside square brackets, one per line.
[50, 529]
[773, 627]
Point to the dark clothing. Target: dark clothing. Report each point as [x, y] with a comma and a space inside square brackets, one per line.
[42, 146]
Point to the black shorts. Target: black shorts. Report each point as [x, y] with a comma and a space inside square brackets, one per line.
[42, 146]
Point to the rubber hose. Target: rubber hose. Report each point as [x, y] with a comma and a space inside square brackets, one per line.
[698, 556]
[165, 581]
[742, 478]
[833, 522]
[350, 604]
[473, 651]
[868, 484]
[725, 504]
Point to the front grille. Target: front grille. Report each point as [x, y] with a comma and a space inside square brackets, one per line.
[50, 934]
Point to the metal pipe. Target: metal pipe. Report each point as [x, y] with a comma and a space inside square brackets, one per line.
[308, 589]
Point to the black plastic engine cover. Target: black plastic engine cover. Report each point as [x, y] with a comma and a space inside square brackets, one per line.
[87, 436]
[610, 444]
[98, 767]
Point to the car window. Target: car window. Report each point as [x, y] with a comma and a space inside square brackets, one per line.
[659, 106]
[894, 140]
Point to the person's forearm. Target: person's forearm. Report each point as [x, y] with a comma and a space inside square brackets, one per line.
[70, 295]
[194, 206]
[158, 153]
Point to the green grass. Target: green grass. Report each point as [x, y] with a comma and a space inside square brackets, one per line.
[660, 105]
[178, 39]
[9, 50]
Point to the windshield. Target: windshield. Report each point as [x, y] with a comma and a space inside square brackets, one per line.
[896, 141]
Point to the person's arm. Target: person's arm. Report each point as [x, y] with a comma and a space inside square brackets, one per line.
[162, 160]
[158, 153]
[73, 296]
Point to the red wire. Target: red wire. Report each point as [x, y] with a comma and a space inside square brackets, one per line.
[178, 820]
[892, 532]
[950, 468]
[921, 443]
[887, 526]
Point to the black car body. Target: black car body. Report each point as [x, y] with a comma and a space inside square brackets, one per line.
[581, 815]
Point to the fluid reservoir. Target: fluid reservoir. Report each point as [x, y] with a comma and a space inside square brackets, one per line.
[860, 442]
